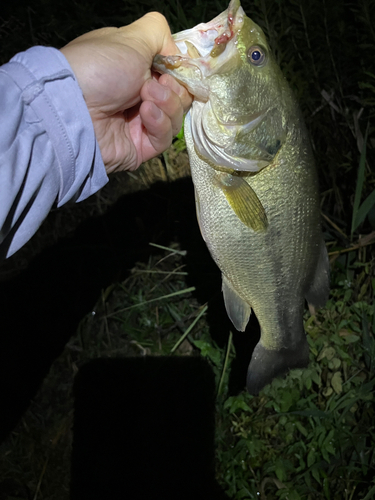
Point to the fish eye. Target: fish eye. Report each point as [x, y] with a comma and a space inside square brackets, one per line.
[256, 55]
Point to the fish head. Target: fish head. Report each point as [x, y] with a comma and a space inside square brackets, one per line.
[241, 99]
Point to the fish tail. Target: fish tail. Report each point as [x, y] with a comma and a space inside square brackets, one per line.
[266, 364]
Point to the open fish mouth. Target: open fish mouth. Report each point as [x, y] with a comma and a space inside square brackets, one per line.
[211, 39]
[204, 49]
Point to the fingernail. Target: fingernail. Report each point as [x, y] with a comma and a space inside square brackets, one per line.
[158, 91]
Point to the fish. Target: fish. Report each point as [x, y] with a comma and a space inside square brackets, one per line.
[256, 185]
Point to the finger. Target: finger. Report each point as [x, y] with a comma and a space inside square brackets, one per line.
[160, 33]
[166, 100]
[151, 35]
[159, 130]
[170, 82]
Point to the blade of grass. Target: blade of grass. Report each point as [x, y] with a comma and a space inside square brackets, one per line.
[174, 294]
[367, 342]
[359, 186]
[364, 209]
[225, 363]
[335, 226]
[186, 333]
[149, 271]
[173, 250]
[370, 494]
[308, 413]
[365, 241]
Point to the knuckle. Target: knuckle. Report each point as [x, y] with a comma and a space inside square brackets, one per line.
[157, 17]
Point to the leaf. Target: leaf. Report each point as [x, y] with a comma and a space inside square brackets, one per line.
[336, 382]
[350, 339]
[364, 209]
[293, 495]
[311, 458]
[234, 403]
[180, 135]
[179, 145]
[315, 473]
[327, 352]
[311, 413]
[370, 494]
[347, 401]
[280, 470]
[326, 484]
[327, 392]
[301, 428]
[368, 342]
[334, 364]
[328, 442]
[308, 383]
[308, 479]
[316, 378]
[371, 217]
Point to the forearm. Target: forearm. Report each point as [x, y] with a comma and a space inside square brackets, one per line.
[48, 150]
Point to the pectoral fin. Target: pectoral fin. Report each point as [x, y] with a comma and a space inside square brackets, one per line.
[244, 201]
[237, 309]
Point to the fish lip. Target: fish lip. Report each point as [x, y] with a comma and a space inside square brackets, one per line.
[186, 71]
[222, 30]
[175, 61]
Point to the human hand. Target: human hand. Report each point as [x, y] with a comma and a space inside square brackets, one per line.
[135, 112]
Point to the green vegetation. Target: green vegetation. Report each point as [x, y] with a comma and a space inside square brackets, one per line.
[308, 436]
[312, 434]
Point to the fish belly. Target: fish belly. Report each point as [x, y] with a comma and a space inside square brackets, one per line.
[273, 271]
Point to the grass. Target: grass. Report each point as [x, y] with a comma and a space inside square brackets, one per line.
[131, 318]
[308, 436]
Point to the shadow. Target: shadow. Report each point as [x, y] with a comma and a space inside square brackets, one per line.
[42, 306]
[140, 433]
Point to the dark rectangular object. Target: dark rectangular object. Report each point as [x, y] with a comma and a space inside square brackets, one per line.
[144, 429]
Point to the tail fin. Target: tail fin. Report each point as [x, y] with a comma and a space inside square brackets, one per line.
[266, 364]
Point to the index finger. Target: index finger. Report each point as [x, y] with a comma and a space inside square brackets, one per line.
[152, 35]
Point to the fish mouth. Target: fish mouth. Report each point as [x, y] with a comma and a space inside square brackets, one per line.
[210, 40]
[203, 50]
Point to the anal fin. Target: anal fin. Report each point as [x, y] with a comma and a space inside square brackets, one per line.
[237, 309]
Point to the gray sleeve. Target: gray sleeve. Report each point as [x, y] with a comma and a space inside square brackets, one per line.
[48, 151]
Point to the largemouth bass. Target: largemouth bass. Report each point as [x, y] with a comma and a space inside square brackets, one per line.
[256, 186]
